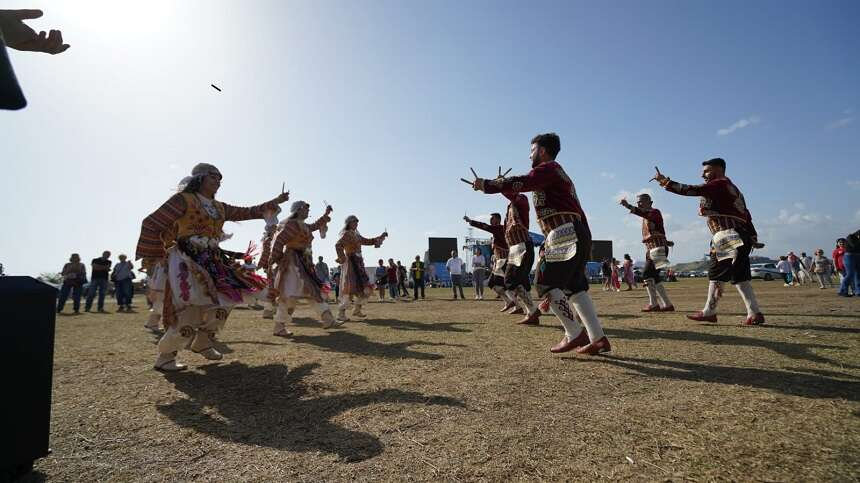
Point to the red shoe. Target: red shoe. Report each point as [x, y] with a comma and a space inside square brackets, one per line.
[544, 305]
[533, 319]
[566, 344]
[651, 308]
[517, 310]
[757, 319]
[670, 308]
[700, 317]
[508, 306]
[599, 346]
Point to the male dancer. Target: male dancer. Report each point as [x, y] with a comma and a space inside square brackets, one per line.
[567, 246]
[734, 237]
[521, 255]
[202, 285]
[500, 257]
[656, 252]
[295, 275]
[353, 278]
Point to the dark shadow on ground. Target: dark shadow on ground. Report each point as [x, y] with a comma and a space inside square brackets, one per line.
[421, 326]
[789, 383]
[224, 348]
[269, 406]
[351, 343]
[780, 314]
[795, 350]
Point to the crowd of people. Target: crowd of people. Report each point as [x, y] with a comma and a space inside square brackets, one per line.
[799, 270]
[74, 280]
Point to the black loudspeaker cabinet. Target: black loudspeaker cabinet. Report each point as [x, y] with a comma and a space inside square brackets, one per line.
[27, 314]
[440, 249]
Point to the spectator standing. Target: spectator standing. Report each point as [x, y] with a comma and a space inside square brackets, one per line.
[806, 266]
[455, 268]
[401, 280]
[851, 259]
[794, 262]
[821, 267]
[616, 284]
[323, 274]
[122, 277]
[838, 259]
[74, 277]
[479, 271]
[784, 268]
[606, 269]
[432, 271]
[381, 277]
[628, 271]
[335, 282]
[393, 288]
[98, 281]
[417, 272]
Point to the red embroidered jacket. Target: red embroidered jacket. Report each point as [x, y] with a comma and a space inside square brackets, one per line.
[553, 194]
[721, 202]
[500, 246]
[516, 219]
[653, 232]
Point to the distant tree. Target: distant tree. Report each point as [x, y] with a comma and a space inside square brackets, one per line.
[50, 277]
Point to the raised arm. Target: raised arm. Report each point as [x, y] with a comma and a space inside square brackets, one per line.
[150, 244]
[538, 178]
[479, 225]
[321, 221]
[238, 213]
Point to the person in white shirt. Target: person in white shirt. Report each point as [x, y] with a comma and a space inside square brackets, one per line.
[455, 268]
[784, 268]
[479, 271]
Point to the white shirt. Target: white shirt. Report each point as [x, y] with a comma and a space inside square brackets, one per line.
[478, 262]
[455, 266]
[783, 266]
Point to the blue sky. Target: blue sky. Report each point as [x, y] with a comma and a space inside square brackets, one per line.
[379, 107]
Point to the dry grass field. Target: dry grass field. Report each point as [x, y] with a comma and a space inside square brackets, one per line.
[444, 391]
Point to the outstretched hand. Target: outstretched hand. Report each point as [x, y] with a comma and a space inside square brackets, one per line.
[20, 36]
[328, 210]
[467, 219]
[624, 203]
[282, 197]
[659, 177]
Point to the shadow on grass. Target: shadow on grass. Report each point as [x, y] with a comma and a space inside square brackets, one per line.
[790, 350]
[789, 383]
[268, 406]
[782, 314]
[351, 343]
[420, 326]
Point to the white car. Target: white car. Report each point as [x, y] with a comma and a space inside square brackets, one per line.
[765, 271]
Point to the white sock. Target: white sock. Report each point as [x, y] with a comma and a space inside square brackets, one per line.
[652, 294]
[588, 315]
[565, 314]
[662, 296]
[711, 303]
[746, 291]
[283, 315]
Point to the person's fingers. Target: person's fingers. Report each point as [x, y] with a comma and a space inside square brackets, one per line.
[53, 42]
[21, 14]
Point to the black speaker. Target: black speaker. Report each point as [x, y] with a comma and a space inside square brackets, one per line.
[440, 249]
[600, 250]
[27, 311]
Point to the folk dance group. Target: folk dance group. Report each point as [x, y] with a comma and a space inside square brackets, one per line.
[195, 284]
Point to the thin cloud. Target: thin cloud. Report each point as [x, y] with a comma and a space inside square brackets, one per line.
[853, 183]
[739, 124]
[840, 123]
[604, 174]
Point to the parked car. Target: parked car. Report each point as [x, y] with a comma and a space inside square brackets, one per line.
[765, 271]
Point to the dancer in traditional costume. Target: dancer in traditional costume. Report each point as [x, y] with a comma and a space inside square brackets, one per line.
[295, 276]
[734, 237]
[521, 256]
[267, 240]
[656, 252]
[354, 283]
[156, 280]
[500, 257]
[567, 246]
[202, 284]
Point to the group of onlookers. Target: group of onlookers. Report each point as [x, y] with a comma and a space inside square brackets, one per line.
[74, 279]
[845, 262]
